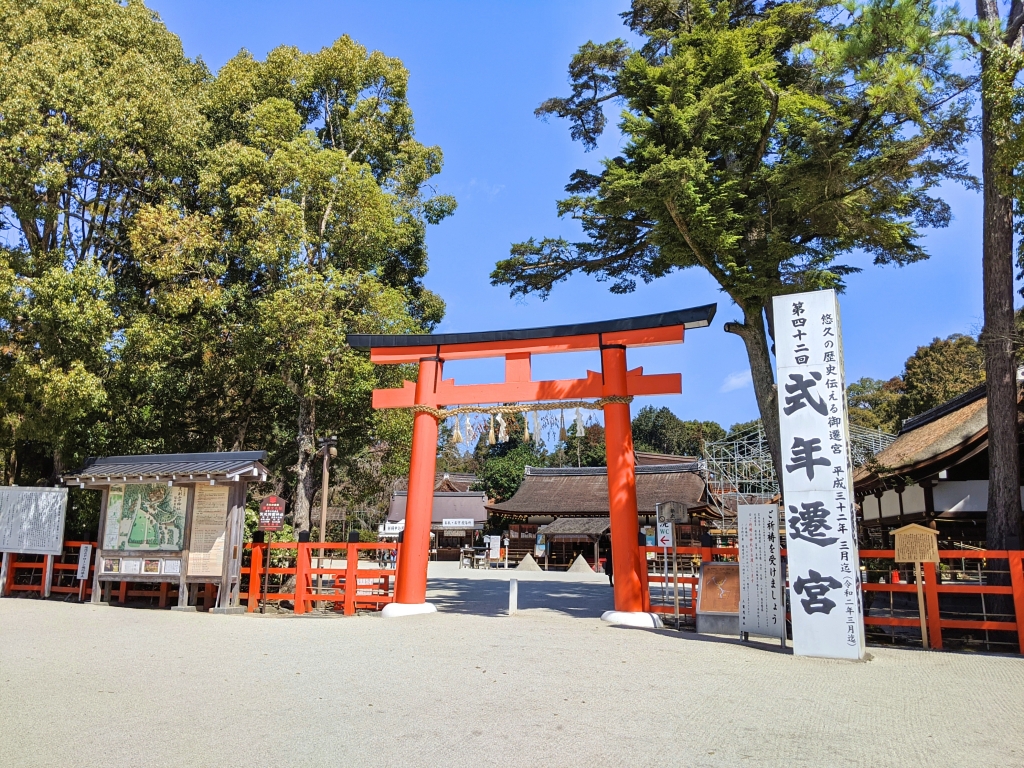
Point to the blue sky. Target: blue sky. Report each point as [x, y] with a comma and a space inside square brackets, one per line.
[478, 70]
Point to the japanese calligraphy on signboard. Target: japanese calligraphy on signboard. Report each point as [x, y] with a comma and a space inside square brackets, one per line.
[817, 483]
[271, 514]
[762, 602]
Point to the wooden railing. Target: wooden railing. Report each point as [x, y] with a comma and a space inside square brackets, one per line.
[27, 573]
[1014, 592]
[347, 588]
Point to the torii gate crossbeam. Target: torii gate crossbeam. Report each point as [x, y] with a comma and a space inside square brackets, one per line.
[612, 338]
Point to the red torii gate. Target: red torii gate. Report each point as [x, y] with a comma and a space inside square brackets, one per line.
[614, 382]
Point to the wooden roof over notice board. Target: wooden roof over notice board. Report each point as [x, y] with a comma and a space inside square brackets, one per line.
[226, 466]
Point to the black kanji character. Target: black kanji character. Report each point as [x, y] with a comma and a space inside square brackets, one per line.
[803, 456]
[816, 586]
[800, 394]
[798, 307]
[810, 524]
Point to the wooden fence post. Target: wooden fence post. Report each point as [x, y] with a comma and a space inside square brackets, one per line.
[12, 559]
[302, 566]
[255, 577]
[1017, 581]
[931, 595]
[351, 578]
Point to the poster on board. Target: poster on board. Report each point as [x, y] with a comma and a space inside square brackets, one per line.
[145, 516]
[817, 482]
[209, 529]
[32, 520]
[762, 580]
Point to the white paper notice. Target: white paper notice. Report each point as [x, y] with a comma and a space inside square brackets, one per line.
[32, 520]
[209, 524]
[762, 599]
[817, 482]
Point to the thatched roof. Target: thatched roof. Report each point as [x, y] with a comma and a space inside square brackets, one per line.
[583, 492]
[576, 526]
[931, 442]
[447, 506]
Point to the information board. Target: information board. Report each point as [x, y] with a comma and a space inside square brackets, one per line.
[271, 513]
[84, 562]
[32, 520]
[208, 530]
[145, 516]
[916, 544]
[719, 588]
[817, 482]
[762, 602]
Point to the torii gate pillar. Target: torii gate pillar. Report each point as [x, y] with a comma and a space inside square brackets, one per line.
[629, 565]
[411, 580]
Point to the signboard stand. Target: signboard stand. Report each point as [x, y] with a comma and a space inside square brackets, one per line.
[718, 599]
[3, 572]
[271, 520]
[817, 478]
[917, 544]
[762, 579]
[669, 513]
[170, 520]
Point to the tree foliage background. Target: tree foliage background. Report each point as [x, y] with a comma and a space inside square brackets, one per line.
[183, 252]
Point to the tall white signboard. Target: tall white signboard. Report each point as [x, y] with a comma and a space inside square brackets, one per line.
[817, 481]
[762, 578]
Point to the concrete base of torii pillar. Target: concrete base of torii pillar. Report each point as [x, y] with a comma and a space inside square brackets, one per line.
[633, 619]
[395, 610]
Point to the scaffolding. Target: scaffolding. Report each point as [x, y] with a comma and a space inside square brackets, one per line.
[740, 470]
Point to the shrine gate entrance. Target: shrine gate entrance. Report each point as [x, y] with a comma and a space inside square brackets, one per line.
[615, 387]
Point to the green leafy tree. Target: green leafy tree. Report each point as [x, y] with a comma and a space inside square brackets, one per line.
[931, 376]
[661, 431]
[308, 223]
[876, 403]
[762, 142]
[941, 371]
[100, 115]
[502, 466]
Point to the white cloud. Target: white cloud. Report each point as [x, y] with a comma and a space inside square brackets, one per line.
[737, 380]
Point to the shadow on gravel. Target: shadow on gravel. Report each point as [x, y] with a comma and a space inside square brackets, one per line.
[755, 643]
[483, 597]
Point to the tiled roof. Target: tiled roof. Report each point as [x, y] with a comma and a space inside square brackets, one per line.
[584, 491]
[577, 526]
[223, 463]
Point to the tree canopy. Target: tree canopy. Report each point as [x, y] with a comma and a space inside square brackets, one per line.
[762, 142]
[184, 252]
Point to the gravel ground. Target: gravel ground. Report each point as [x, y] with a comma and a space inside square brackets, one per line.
[470, 686]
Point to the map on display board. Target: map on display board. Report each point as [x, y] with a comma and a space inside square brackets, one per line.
[145, 516]
[32, 520]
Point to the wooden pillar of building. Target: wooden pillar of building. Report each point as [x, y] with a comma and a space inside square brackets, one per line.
[630, 567]
[411, 582]
[886, 539]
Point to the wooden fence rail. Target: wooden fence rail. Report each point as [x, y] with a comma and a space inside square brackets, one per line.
[932, 588]
[348, 587]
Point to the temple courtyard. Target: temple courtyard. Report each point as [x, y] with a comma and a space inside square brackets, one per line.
[472, 686]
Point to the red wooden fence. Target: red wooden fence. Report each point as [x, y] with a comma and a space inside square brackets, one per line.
[932, 589]
[348, 588]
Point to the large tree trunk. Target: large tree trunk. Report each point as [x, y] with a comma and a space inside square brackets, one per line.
[752, 331]
[1004, 504]
[304, 466]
